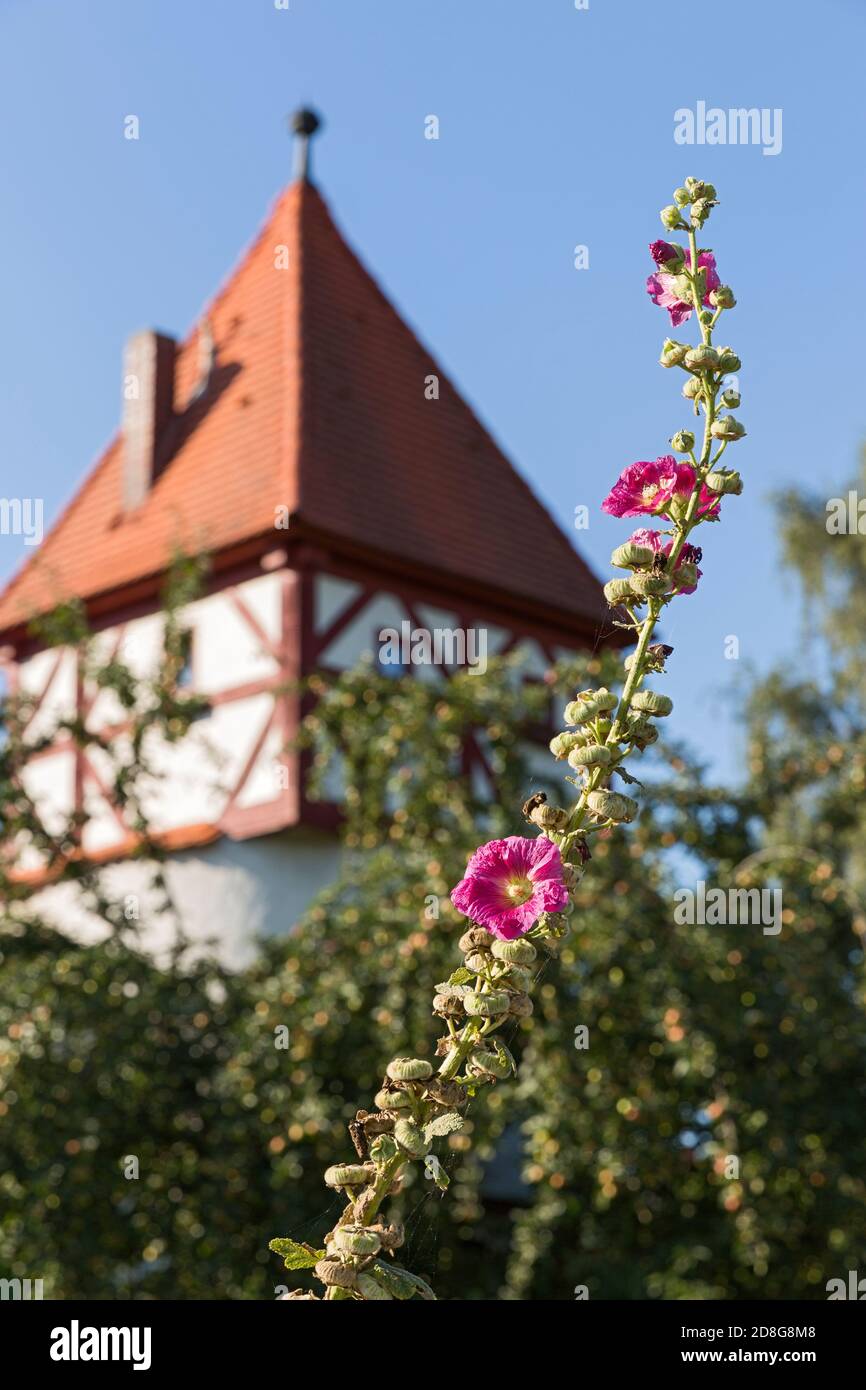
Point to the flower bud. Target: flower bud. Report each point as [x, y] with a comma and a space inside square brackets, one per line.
[701, 210]
[349, 1174]
[728, 360]
[696, 188]
[672, 353]
[706, 317]
[549, 817]
[593, 755]
[683, 441]
[409, 1069]
[723, 297]
[682, 196]
[411, 1139]
[730, 398]
[692, 388]
[652, 702]
[671, 217]
[727, 428]
[562, 744]
[617, 591]
[356, 1240]
[608, 805]
[632, 556]
[335, 1274]
[518, 952]
[486, 1005]
[702, 359]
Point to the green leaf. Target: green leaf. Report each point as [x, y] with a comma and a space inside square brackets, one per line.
[448, 1123]
[460, 976]
[295, 1256]
[400, 1283]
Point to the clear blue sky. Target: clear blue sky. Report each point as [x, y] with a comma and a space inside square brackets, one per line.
[556, 129]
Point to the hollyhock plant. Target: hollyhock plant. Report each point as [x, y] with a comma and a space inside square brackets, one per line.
[518, 893]
[667, 285]
[510, 883]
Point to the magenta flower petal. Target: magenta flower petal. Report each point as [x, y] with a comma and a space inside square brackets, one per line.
[509, 883]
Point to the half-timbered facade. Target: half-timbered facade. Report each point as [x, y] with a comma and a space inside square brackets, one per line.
[306, 440]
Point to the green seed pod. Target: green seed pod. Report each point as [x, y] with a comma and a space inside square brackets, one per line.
[562, 744]
[548, 817]
[486, 1005]
[349, 1174]
[409, 1069]
[372, 1290]
[727, 428]
[517, 952]
[608, 805]
[392, 1100]
[731, 398]
[521, 1006]
[488, 1064]
[652, 702]
[693, 388]
[702, 359]
[618, 591]
[475, 939]
[642, 733]
[725, 481]
[593, 755]
[605, 699]
[517, 977]
[579, 711]
[335, 1274]
[673, 353]
[356, 1240]
[631, 556]
[728, 360]
[650, 584]
[411, 1139]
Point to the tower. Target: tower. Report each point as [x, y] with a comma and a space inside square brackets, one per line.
[305, 438]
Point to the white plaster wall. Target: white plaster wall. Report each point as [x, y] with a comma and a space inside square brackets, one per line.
[229, 895]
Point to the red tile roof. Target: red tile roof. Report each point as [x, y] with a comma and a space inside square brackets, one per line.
[317, 404]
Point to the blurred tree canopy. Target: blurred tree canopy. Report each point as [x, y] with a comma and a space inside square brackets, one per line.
[703, 1138]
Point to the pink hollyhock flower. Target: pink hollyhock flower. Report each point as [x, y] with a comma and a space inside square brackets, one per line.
[655, 540]
[509, 883]
[646, 488]
[660, 285]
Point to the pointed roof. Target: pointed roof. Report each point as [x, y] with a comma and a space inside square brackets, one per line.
[317, 404]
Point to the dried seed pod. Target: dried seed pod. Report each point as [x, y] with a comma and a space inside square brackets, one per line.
[519, 952]
[521, 1006]
[475, 939]
[409, 1069]
[335, 1274]
[487, 1005]
[477, 961]
[447, 1005]
[446, 1093]
[391, 1237]
[349, 1174]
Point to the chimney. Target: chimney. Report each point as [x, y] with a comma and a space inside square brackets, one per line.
[148, 405]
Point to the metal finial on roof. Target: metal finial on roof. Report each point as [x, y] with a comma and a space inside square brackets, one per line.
[304, 124]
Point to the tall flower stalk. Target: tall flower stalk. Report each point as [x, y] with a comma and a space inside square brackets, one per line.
[517, 893]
